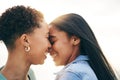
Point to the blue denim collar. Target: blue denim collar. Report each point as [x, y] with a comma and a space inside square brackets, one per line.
[79, 58]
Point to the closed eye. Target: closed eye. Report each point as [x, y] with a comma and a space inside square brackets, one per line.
[52, 39]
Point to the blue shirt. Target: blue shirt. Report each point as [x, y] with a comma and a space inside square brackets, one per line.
[79, 69]
[31, 75]
[2, 77]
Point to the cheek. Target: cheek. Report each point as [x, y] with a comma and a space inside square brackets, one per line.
[36, 46]
[42, 42]
[57, 46]
[62, 47]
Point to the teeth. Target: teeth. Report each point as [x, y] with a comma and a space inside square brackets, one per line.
[54, 55]
[46, 53]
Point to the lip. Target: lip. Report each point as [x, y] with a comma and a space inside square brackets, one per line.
[46, 53]
[54, 55]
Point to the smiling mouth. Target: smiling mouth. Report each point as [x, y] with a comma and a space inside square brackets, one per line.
[54, 55]
[46, 53]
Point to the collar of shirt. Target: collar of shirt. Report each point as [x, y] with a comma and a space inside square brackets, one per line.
[2, 77]
[79, 58]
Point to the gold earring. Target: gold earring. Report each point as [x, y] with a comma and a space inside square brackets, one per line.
[27, 48]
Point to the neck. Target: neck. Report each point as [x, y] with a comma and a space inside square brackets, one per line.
[16, 67]
[75, 53]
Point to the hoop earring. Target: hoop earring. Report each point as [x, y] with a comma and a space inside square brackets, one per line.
[27, 48]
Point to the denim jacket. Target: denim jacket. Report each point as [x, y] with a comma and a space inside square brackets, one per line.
[79, 69]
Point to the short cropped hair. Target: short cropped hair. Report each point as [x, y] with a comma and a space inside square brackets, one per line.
[16, 21]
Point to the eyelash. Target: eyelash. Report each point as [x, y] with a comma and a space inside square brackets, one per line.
[52, 43]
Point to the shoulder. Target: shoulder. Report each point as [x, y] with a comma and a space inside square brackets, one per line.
[2, 77]
[31, 74]
[81, 70]
[80, 66]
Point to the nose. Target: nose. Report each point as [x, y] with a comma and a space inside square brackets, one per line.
[50, 51]
[49, 47]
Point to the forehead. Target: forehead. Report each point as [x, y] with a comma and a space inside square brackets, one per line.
[43, 29]
[56, 33]
[53, 30]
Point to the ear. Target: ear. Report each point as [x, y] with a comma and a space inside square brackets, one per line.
[75, 40]
[25, 39]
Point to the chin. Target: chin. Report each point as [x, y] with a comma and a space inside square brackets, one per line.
[39, 63]
[58, 64]
[42, 62]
